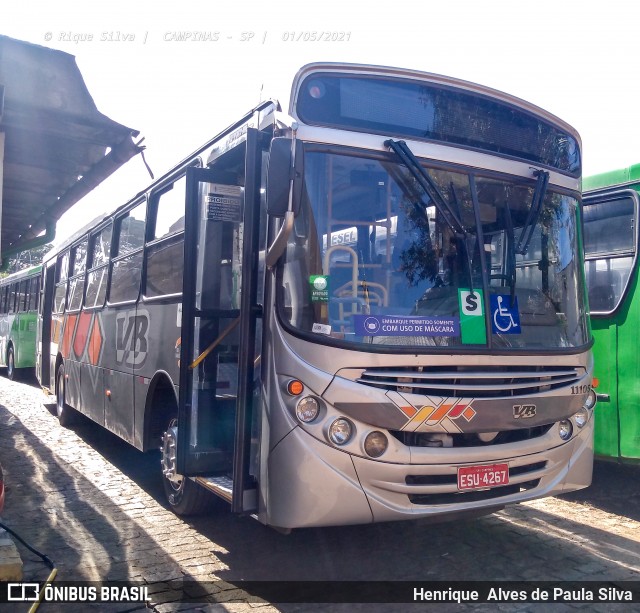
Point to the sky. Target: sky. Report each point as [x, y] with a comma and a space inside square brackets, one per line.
[180, 73]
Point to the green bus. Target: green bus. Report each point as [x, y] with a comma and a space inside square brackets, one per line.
[610, 203]
[19, 296]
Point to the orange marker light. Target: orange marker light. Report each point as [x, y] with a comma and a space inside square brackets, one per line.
[295, 387]
[595, 382]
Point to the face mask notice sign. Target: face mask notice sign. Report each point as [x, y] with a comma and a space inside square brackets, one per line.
[392, 325]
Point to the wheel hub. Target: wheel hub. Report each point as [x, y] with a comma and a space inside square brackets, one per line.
[169, 447]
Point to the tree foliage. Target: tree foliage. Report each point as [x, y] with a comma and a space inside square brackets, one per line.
[26, 259]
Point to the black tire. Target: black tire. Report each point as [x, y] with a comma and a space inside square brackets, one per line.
[12, 374]
[185, 497]
[66, 414]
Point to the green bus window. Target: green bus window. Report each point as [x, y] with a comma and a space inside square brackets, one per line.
[35, 294]
[609, 244]
[22, 295]
[27, 298]
[13, 290]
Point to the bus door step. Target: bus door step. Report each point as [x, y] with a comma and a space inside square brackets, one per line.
[220, 485]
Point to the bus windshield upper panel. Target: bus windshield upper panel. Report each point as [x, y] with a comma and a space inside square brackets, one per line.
[374, 261]
[426, 111]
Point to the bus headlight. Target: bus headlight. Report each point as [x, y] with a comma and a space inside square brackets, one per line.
[307, 409]
[375, 444]
[581, 417]
[340, 431]
[565, 429]
[590, 402]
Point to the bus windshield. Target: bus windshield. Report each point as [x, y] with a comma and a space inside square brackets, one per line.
[377, 262]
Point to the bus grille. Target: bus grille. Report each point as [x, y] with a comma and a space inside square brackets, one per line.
[476, 495]
[474, 381]
[468, 439]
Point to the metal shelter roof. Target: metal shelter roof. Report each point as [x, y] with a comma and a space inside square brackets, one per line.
[57, 145]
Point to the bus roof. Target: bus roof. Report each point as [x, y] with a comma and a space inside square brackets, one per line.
[621, 176]
[32, 271]
[191, 160]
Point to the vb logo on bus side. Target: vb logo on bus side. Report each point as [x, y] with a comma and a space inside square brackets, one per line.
[132, 337]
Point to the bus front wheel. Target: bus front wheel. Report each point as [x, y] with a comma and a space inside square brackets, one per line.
[185, 497]
[66, 414]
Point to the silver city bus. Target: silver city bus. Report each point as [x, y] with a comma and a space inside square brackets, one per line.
[369, 308]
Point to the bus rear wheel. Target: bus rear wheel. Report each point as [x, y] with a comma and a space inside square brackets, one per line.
[66, 414]
[12, 375]
[185, 497]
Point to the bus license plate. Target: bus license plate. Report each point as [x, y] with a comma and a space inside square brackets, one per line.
[477, 477]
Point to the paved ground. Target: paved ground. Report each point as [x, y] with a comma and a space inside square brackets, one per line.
[95, 506]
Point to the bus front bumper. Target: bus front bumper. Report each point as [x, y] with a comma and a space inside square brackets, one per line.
[312, 484]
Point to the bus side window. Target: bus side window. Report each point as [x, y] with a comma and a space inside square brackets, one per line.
[22, 295]
[13, 290]
[98, 268]
[126, 267]
[4, 308]
[27, 298]
[62, 274]
[35, 294]
[165, 251]
[76, 282]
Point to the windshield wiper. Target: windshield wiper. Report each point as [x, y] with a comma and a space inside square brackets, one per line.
[534, 211]
[429, 186]
[510, 256]
[469, 240]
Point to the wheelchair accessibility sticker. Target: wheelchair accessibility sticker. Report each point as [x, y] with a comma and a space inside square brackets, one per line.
[505, 317]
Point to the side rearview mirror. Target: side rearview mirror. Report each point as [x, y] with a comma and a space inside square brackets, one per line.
[280, 172]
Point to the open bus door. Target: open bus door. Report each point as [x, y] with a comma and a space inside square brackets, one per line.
[43, 335]
[219, 313]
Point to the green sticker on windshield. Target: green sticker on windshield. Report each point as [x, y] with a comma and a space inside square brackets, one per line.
[319, 285]
[473, 329]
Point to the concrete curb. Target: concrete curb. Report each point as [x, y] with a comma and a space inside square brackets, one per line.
[10, 560]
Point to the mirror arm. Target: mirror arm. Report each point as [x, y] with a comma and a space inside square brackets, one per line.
[280, 242]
